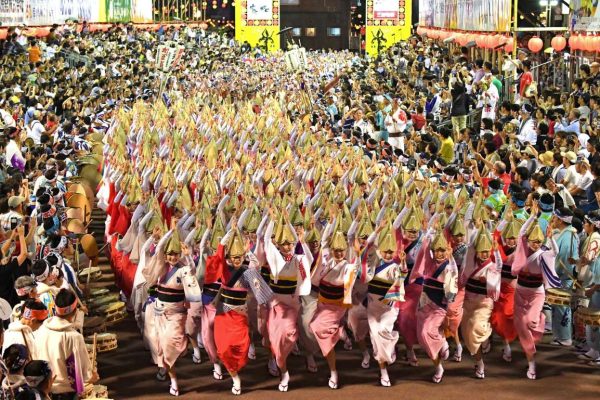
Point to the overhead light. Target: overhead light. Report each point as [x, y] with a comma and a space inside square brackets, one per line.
[546, 3]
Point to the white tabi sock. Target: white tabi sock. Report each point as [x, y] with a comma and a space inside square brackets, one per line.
[174, 384]
[197, 352]
[237, 382]
[531, 366]
[384, 374]
[334, 376]
[285, 378]
[480, 365]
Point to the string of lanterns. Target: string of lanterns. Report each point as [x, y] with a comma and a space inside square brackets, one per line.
[497, 41]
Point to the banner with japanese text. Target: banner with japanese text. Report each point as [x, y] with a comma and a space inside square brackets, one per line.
[468, 15]
[257, 22]
[388, 22]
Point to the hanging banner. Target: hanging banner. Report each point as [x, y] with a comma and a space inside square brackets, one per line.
[471, 15]
[118, 10]
[12, 12]
[141, 11]
[257, 22]
[47, 12]
[388, 22]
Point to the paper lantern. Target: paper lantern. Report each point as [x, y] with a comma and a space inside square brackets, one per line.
[575, 42]
[42, 32]
[596, 44]
[433, 34]
[480, 41]
[558, 43]
[535, 44]
[589, 43]
[420, 30]
[509, 46]
[442, 35]
[3, 34]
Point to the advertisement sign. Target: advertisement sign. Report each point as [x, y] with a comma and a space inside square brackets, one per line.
[388, 22]
[385, 9]
[118, 10]
[46, 12]
[257, 22]
[260, 9]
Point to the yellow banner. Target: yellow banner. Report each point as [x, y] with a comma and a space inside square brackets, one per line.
[388, 22]
[258, 23]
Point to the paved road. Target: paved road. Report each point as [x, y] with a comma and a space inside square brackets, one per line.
[129, 374]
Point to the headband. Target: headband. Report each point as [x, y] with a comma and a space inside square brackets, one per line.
[44, 275]
[24, 291]
[50, 213]
[568, 219]
[63, 311]
[39, 315]
[596, 223]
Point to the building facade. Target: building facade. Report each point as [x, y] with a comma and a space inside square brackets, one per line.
[317, 24]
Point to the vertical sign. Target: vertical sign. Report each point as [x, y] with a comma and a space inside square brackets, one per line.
[257, 22]
[388, 22]
[118, 10]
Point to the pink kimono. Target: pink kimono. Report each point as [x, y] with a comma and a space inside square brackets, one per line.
[335, 282]
[288, 280]
[407, 316]
[535, 271]
[439, 288]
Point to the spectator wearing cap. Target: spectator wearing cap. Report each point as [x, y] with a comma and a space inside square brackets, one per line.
[40, 378]
[22, 330]
[35, 129]
[14, 217]
[526, 132]
[64, 349]
[567, 243]
[571, 176]
[15, 357]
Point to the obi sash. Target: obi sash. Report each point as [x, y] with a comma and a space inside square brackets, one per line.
[434, 289]
[532, 281]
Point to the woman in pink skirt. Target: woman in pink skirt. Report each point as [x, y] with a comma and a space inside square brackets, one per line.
[438, 270]
[457, 231]
[534, 266]
[409, 238]
[289, 280]
[334, 277]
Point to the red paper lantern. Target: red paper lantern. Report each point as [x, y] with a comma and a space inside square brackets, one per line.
[509, 46]
[443, 35]
[558, 43]
[420, 30]
[433, 34]
[480, 41]
[596, 44]
[535, 44]
[587, 43]
[576, 42]
[3, 33]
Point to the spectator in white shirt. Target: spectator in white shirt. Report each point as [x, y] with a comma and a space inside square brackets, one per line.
[527, 132]
[572, 176]
[585, 178]
[35, 130]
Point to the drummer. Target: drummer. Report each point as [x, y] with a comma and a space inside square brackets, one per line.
[588, 267]
[567, 241]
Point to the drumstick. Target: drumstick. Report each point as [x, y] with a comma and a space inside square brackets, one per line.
[95, 343]
[575, 282]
